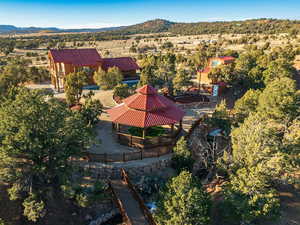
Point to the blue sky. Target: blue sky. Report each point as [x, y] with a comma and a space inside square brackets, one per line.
[100, 13]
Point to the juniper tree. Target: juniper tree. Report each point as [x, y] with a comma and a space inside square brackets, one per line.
[246, 104]
[182, 157]
[73, 86]
[108, 79]
[39, 135]
[181, 80]
[279, 99]
[183, 202]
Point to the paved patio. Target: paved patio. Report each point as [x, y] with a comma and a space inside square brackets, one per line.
[108, 143]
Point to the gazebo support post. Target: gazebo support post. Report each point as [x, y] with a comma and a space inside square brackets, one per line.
[180, 124]
[144, 136]
[144, 133]
[118, 130]
[172, 130]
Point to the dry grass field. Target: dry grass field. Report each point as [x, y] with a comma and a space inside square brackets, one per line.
[119, 48]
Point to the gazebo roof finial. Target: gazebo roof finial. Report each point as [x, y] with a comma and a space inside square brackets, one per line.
[147, 90]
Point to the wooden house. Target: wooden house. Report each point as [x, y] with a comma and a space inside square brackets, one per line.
[65, 61]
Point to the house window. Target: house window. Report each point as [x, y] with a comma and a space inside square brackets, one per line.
[62, 67]
[215, 63]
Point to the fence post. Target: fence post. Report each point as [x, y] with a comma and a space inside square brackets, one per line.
[131, 140]
[124, 160]
[105, 157]
[141, 154]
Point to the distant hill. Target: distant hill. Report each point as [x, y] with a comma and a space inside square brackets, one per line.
[151, 26]
[7, 28]
[4, 29]
[266, 26]
[10, 29]
[259, 26]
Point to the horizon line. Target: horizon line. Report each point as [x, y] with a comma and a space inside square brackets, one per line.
[108, 25]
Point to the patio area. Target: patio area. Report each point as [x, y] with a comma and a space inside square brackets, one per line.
[107, 138]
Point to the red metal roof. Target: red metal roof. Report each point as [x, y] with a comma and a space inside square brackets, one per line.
[147, 90]
[226, 58]
[77, 57]
[146, 108]
[123, 63]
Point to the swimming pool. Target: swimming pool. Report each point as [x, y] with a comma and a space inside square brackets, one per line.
[91, 87]
[130, 83]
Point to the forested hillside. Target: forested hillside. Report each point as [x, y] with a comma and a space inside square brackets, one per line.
[263, 26]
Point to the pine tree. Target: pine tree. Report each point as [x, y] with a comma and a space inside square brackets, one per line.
[279, 100]
[246, 105]
[183, 202]
[108, 79]
[74, 84]
[182, 157]
[39, 135]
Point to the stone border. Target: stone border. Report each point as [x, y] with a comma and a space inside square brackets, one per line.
[133, 168]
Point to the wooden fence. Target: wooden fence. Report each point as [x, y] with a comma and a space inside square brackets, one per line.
[129, 156]
[137, 197]
[138, 142]
[118, 202]
[148, 143]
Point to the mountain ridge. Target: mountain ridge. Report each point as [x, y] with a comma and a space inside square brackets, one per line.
[161, 25]
[11, 29]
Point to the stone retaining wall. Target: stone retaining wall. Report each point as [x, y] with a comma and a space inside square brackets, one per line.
[133, 168]
[193, 105]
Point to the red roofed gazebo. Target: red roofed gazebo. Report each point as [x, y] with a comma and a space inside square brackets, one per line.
[146, 109]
